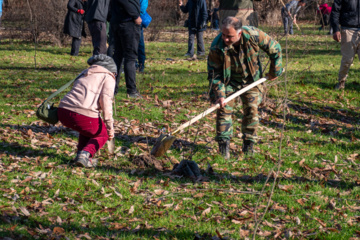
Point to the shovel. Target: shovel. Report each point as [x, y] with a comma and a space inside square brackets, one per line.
[111, 145]
[164, 142]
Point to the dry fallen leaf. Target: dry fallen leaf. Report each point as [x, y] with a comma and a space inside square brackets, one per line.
[167, 103]
[59, 220]
[206, 211]
[199, 195]
[86, 235]
[24, 211]
[131, 210]
[159, 191]
[58, 230]
[285, 188]
[136, 185]
[107, 195]
[57, 193]
[301, 201]
[320, 221]
[168, 205]
[95, 182]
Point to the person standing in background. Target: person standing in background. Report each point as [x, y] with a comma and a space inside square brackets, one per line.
[196, 24]
[125, 25]
[141, 50]
[289, 13]
[347, 15]
[1, 3]
[325, 11]
[74, 24]
[241, 9]
[96, 15]
[213, 16]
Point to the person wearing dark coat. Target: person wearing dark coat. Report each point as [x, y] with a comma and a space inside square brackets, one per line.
[347, 15]
[74, 24]
[125, 25]
[96, 15]
[196, 24]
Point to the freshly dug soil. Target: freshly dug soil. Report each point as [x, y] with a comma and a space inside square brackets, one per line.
[147, 161]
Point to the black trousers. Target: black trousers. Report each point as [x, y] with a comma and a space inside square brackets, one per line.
[126, 39]
[111, 42]
[325, 20]
[98, 34]
[75, 46]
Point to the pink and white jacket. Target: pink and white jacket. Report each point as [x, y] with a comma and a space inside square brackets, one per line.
[92, 94]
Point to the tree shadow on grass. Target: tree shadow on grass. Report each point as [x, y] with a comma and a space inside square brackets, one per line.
[261, 178]
[28, 46]
[22, 151]
[16, 150]
[166, 89]
[312, 110]
[28, 227]
[49, 69]
[126, 140]
[326, 79]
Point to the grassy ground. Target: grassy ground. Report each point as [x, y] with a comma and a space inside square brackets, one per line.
[316, 193]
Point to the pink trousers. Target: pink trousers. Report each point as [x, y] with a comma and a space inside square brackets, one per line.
[92, 131]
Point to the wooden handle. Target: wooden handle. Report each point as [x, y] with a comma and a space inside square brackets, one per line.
[210, 110]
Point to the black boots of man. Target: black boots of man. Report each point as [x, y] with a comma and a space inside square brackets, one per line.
[224, 148]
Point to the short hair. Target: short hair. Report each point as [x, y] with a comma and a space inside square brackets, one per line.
[303, 1]
[233, 22]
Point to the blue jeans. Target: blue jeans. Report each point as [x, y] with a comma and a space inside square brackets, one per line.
[141, 50]
[287, 21]
[200, 42]
[216, 24]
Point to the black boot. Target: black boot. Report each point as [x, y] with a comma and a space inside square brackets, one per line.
[224, 148]
[248, 147]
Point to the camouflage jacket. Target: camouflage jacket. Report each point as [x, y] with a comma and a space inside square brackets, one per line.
[227, 66]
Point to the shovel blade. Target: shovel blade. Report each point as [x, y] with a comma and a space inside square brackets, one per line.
[111, 145]
[162, 144]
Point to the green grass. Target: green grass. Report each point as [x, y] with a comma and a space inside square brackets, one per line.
[317, 193]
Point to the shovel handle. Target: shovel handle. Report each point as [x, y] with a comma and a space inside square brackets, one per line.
[213, 108]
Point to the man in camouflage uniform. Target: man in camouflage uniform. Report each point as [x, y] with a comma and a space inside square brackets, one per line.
[233, 63]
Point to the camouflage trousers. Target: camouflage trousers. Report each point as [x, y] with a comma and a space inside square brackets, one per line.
[250, 121]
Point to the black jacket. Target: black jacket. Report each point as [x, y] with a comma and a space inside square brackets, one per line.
[124, 10]
[97, 10]
[346, 13]
[74, 22]
[197, 14]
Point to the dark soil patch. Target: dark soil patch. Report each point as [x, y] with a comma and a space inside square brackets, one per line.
[148, 161]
